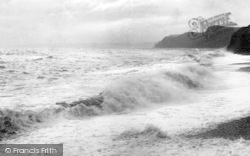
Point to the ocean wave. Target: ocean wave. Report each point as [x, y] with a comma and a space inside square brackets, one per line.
[143, 90]
[162, 87]
[12, 122]
[206, 58]
[149, 132]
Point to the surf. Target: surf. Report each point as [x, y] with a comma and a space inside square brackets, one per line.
[160, 84]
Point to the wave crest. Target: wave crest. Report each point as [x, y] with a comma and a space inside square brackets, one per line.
[150, 132]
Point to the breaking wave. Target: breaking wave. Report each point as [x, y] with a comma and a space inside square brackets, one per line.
[160, 87]
[149, 132]
[13, 121]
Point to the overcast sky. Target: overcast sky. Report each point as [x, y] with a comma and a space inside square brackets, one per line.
[58, 22]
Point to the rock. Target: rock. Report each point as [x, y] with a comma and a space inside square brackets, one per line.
[240, 41]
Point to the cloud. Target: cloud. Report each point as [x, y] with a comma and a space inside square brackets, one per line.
[46, 22]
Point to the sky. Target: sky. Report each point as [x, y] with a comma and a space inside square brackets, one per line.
[63, 22]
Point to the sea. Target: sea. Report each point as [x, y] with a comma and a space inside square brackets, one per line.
[39, 85]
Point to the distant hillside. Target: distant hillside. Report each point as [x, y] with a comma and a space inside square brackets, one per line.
[214, 37]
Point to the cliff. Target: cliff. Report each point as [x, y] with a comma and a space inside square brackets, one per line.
[240, 41]
[214, 37]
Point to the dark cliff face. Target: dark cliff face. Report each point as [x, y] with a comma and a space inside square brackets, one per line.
[240, 41]
[214, 37]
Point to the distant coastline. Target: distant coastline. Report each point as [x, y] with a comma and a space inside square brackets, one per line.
[214, 37]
